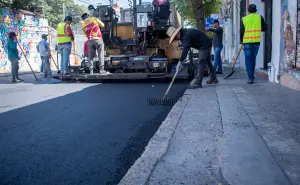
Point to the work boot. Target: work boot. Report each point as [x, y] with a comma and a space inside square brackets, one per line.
[196, 84]
[13, 80]
[212, 81]
[18, 79]
[250, 81]
[103, 72]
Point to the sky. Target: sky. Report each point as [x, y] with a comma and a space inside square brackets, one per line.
[123, 3]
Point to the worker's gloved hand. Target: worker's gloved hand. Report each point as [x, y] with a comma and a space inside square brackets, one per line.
[180, 44]
[179, 66]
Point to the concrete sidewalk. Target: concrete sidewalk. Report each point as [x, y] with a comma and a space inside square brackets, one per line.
[230, 133]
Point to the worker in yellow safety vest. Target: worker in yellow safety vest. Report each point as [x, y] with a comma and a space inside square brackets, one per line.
[251, 28]
[65, 38]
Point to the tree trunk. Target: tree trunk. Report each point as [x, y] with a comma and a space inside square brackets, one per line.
[199, 12]
[200, 16]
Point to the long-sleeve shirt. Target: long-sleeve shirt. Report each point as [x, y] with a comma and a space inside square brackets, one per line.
[43, 48]
[192, 38]
[242, 31]
[70, 32]
[218, 36]
[12, 49]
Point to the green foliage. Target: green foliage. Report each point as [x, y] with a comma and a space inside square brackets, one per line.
[188, 9]
[53, 9]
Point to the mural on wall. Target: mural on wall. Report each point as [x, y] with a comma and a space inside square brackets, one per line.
[29, 30]
[287, 43]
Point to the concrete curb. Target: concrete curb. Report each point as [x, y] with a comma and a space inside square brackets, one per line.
[141, 170]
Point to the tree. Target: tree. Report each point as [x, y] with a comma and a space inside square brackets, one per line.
[53, 9]
[200, 10]
[29, 5]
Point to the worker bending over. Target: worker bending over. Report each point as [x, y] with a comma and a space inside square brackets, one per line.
[91, 27]
[200, 41]
[251, 27]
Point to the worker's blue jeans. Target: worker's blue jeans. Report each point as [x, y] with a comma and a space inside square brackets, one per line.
[217, 59]
[251, 51]
[65, 51]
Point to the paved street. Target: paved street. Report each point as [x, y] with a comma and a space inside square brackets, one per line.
[75, 133]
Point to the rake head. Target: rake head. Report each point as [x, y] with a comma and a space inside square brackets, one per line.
[161, 101]
[230, 74]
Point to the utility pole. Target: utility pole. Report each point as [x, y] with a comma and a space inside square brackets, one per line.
[64, 11]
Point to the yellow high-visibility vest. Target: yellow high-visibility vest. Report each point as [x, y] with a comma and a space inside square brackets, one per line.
[252, 24]
[62, 33]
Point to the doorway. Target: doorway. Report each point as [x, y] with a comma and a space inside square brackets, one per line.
[268, 33]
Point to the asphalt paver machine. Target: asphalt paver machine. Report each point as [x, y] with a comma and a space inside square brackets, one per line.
[138, 49]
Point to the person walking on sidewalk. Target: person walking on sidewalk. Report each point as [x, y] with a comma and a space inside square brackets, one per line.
[218, 46]
[251, 27]
[200, 41]
[91, 27]
[65, 38]
[13, 56]
[44, 49]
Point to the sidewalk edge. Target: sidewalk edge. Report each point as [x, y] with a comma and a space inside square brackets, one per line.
[141, 170]
[21, 73]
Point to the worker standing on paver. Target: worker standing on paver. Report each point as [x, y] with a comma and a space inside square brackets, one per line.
[200, 41]
[91, 27]
[44, 49]
[251, 27]
[218, 46]
[65, 38]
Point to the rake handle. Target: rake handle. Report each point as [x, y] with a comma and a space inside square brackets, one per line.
[237, 57]
[27, 61]
[54, 63]
[170, 84]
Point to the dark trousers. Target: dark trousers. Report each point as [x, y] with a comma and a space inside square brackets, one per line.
[46, 66]
[14, 66]
[203, 60]
[251, 51]
[96, 45]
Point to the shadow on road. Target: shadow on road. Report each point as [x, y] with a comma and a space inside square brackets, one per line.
[92, 136]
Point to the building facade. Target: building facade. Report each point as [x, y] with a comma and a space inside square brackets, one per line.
[279, 53]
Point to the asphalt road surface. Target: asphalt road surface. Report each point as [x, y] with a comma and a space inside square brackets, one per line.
[76, 133]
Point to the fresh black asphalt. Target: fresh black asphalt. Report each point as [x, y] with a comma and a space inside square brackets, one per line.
[91, 136]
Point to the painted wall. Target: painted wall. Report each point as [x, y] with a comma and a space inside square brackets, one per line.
[284, 39]
[284, 43]
[29, 29]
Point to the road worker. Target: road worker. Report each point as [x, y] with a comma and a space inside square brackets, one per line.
[91, 27]
[251, 27]
[65, 38]
[192, 38]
